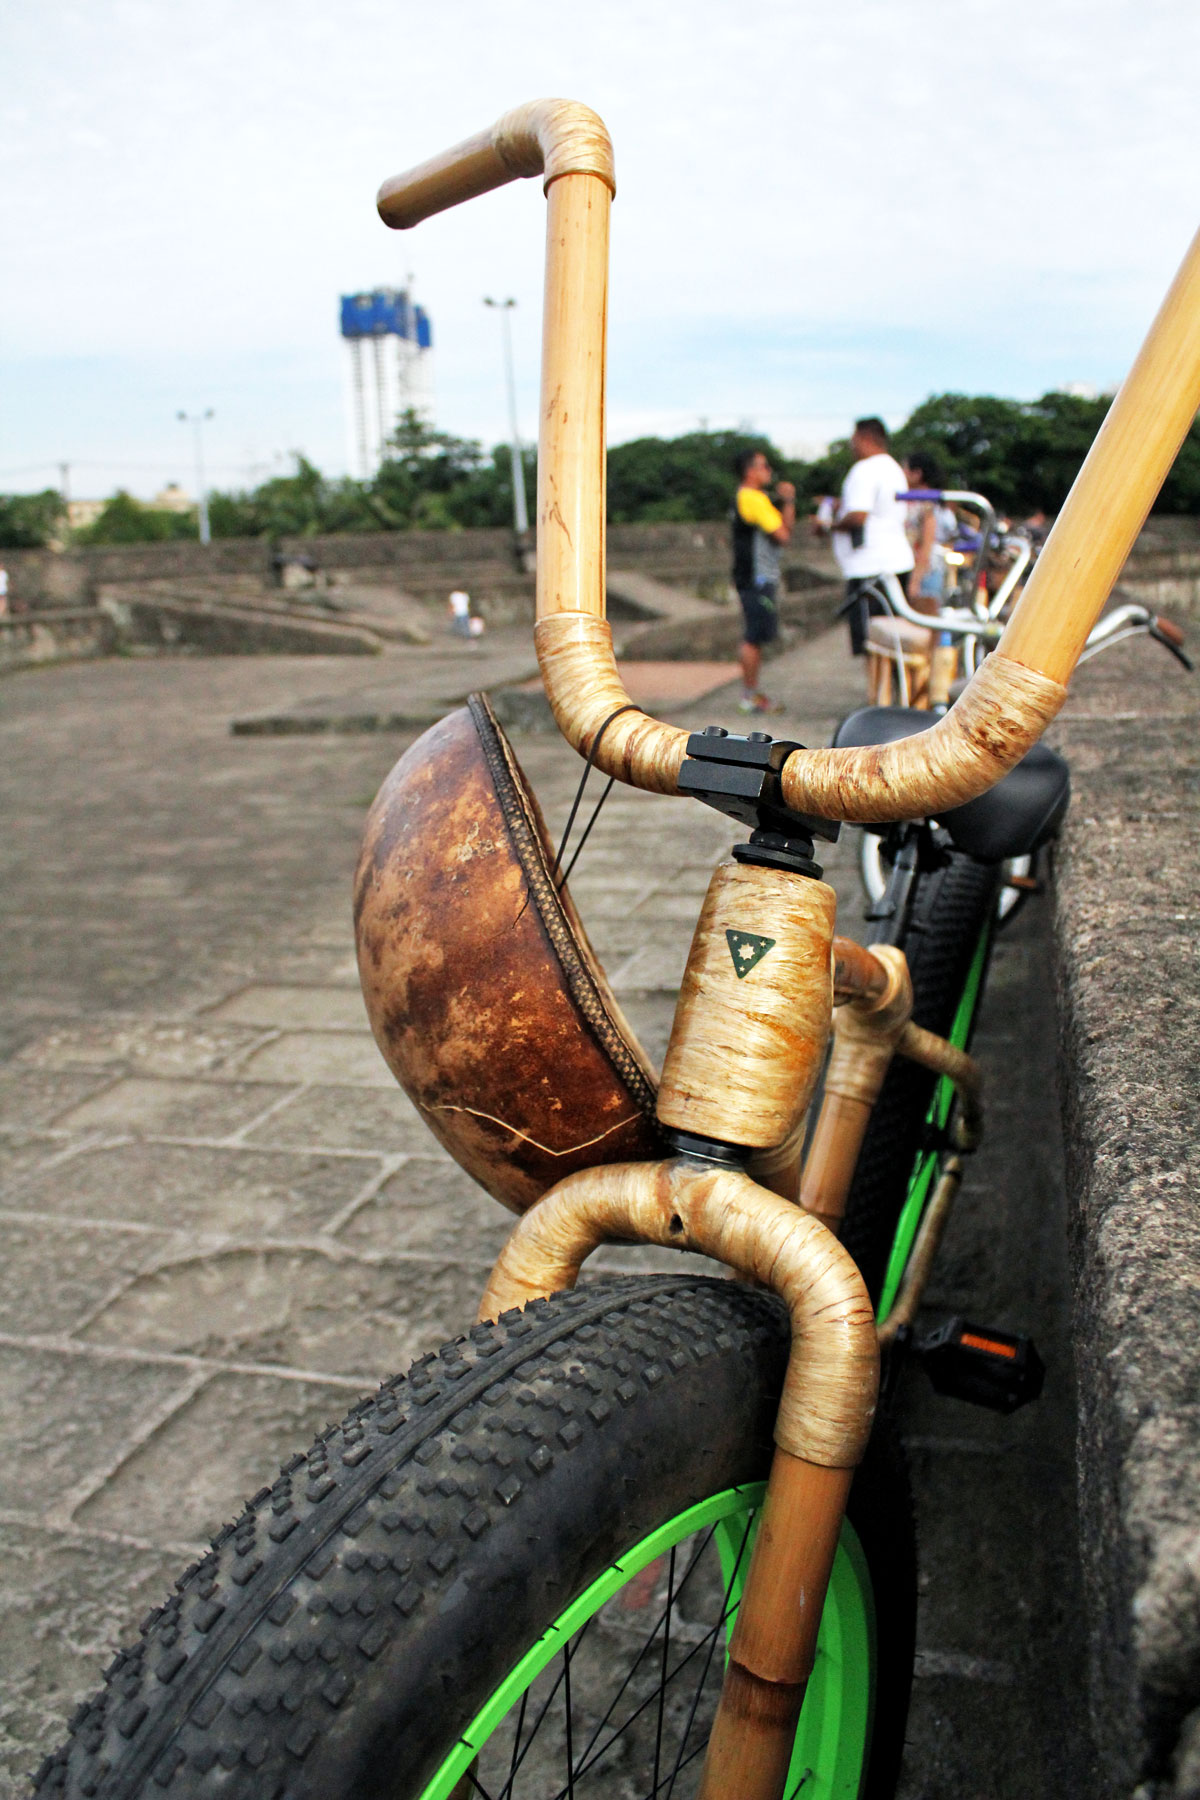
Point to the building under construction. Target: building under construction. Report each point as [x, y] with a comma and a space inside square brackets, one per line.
[389, 368]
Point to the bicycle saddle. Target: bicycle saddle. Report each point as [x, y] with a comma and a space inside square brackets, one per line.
[1011, 819]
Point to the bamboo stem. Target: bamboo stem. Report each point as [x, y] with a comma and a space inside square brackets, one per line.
[774, 1640]
[924, 1251]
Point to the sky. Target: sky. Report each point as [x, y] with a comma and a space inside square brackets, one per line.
[822, 211]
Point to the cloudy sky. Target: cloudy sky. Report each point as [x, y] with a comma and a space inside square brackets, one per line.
[822, 210]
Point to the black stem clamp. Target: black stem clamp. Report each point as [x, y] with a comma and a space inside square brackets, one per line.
[742, 778]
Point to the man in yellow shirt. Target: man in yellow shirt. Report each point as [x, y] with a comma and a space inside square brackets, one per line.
[759, 528]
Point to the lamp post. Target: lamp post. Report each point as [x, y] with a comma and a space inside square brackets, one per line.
[520, 514]
[197, 420]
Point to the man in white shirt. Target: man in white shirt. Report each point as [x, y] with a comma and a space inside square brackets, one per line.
[869, 538]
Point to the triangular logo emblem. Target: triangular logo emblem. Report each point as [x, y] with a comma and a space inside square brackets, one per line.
[747, 950]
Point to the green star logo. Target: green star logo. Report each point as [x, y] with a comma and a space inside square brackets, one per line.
[747, 950]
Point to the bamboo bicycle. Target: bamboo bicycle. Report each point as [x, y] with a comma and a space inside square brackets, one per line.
[561, 1556]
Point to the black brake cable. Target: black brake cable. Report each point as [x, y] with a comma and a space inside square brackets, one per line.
[629, 706]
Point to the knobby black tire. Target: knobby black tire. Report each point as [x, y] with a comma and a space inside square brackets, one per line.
[951, 908]
[339, 1636]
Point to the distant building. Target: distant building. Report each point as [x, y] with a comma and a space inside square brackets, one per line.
[173, 499]
[84, 512]
[389, 368]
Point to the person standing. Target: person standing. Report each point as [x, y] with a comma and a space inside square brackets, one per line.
[759, 529]
[931, 527]
[869, 539]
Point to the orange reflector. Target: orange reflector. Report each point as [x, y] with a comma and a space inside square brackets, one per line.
[973, 1342]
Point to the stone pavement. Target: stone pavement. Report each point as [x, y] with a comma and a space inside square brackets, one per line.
[221, 1221]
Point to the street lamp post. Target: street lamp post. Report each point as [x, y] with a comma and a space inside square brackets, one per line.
[520, 513]
[197, 420]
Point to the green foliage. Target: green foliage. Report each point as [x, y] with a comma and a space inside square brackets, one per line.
[1023, 455]
[683, 478]
[30, 521]
[303, 504]
[126, 521]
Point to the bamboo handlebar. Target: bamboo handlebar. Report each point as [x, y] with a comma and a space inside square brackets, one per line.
[550, 137]
[1019, 689]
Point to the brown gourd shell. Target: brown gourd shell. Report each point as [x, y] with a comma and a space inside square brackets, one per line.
[483, 992]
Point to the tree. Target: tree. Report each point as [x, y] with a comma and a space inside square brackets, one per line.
[683, 478]
[30, 521]
[125, 520]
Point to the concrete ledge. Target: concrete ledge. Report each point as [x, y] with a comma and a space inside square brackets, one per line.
[64, 634]
[1128, 927]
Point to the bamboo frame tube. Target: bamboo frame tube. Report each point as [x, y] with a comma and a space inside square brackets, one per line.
[828, 1397]
[943, 667]
[936, 1053]
[862, 975]
[773, 1645]
[752, 1018]
[821, 1428]
[866, 1032]
[924, 1251]
[1115, 488]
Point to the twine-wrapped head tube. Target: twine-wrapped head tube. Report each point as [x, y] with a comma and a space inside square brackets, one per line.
[1001, 713]
[829, 1391]
[550, 137]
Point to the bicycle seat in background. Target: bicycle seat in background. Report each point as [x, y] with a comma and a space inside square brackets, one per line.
[1021, 812]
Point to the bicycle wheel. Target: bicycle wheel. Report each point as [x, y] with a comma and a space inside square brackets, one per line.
[946, 941]
[510, 1573]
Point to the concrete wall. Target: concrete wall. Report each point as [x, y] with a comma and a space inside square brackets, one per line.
[422, 562]
[1128, 925]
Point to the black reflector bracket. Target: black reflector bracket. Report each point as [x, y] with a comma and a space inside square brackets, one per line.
[740, 777]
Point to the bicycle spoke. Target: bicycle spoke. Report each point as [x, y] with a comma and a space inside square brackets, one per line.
[636, 1664]
[506, 1790]
[512, 1767]
[662, 1680]
[667, 1762]
[567, 1705]
[725, 1609]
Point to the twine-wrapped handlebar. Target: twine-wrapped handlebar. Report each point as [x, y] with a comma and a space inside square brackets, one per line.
[1008, 702]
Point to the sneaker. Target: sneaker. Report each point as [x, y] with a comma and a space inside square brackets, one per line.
[758, 703]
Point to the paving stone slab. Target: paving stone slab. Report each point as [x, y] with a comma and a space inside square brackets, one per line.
[87, 1266]
[293, 1007]
[431, 1205]
[347, 1118]
[30, 1098]
[331, 1057]
[217, 1192]
[22, 1154]
[302, 1309]
[63, 1416]
[195, 1109]
[144, 1046]
[198, 1469]
[66, 1601]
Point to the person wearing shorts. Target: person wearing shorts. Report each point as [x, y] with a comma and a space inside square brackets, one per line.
[759, 529]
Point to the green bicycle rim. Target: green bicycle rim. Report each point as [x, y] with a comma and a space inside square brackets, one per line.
[833, 1738]
[925, 1167]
